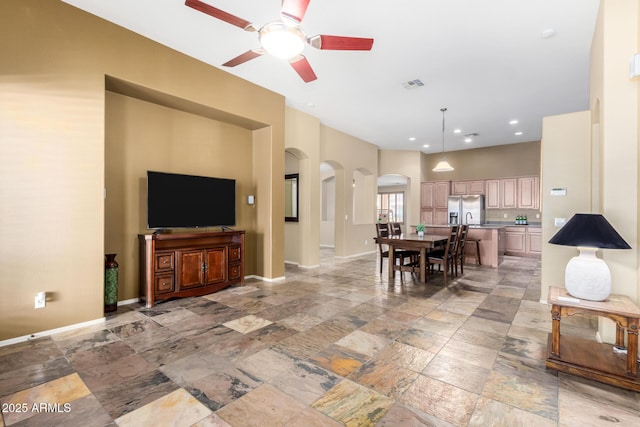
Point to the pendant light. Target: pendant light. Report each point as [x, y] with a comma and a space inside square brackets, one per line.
[443, 165]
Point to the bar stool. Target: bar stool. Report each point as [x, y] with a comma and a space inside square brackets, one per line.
[477, 249]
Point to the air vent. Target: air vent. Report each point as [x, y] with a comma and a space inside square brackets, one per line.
[412, 84]
[470, 135]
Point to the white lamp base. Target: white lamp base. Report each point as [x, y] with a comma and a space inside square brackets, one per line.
[587, 276]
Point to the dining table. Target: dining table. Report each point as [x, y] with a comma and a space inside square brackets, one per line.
[414, 242]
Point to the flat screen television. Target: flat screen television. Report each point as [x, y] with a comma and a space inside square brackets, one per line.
[189, 201]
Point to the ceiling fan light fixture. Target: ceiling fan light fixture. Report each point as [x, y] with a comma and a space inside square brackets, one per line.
[443, 165]
[281, 40]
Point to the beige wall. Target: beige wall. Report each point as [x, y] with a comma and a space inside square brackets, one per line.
[52, 162]
[600, 147]
[484, 163]
[143, 136]
[614, 103]
[406, 163]
[348, 154]
[302, 140]
[566, 163]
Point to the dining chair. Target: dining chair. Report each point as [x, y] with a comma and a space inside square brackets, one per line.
[383, 230]
[396, 230]
[445, 257]
[459, 252]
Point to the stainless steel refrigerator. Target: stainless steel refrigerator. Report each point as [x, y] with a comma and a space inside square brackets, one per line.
[466, 209]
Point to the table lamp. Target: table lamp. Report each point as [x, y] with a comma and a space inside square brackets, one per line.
[587, 276]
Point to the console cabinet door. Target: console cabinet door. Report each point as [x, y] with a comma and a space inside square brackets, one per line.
[216, 264]
[190, 269]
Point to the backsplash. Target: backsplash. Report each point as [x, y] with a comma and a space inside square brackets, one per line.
[498, 215]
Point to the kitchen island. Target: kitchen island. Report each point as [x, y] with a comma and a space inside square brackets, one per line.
[491, 239]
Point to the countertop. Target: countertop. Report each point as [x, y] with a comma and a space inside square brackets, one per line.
[487, 226]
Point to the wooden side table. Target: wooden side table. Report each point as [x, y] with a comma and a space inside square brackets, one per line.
[587, 358]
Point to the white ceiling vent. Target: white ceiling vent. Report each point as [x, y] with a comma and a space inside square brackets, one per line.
[412, 84]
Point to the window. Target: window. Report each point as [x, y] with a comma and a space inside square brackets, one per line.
[391, 207]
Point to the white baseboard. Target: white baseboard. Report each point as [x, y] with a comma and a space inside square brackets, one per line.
[265, 279]
[50, 332]
[328, 246]
[63, 328]
[356, 255]
[309, 267]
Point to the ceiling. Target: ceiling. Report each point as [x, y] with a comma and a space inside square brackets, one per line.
[488, 62]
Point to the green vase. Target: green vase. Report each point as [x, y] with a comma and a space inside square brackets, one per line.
[110, 283]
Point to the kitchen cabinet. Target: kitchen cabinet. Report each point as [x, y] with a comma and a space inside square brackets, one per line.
[529, 192]
[533, 241]
[461, 188]
[515, 240]
[427, 195]
[426, 216]
[523, 241]
[442, 195]
[434, 202]
[509, 193]
[492, 193]
[513, 193]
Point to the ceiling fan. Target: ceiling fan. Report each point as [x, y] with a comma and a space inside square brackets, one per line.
[284, 38]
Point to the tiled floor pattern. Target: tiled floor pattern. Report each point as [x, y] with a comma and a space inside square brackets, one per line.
[338, 345]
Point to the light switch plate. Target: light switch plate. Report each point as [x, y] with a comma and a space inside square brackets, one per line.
[559, 222]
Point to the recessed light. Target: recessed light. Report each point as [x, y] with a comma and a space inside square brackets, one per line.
[425, 146]
[548, 33]
[518, 133]
[311, 104]
[413, 138]
[457, 131]
[468, 140]
[513, 122]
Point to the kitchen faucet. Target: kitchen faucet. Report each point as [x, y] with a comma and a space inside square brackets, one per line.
[468, 214]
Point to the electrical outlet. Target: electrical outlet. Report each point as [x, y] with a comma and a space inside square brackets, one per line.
[505, 215]
[41, 299]
[366, 242]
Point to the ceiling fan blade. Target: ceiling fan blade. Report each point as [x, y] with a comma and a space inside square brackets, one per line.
[325, 42]
[294, 9]
[242, 58]
[220, 14]
[303, 68]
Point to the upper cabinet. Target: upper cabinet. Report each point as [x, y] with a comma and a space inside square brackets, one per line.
[529, 192]
[509, 193]
[492, 194]
[513, 193]
[442, 195]
[460, 188]
[427, 195]
[434, 202]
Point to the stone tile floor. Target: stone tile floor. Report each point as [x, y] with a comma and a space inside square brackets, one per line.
[337, 345]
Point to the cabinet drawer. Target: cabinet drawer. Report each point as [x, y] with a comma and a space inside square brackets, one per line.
[164, 261]
[164, 284]
[234, 253]
[234, 271]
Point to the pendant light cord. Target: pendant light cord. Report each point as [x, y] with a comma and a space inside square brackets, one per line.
[443, 110]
